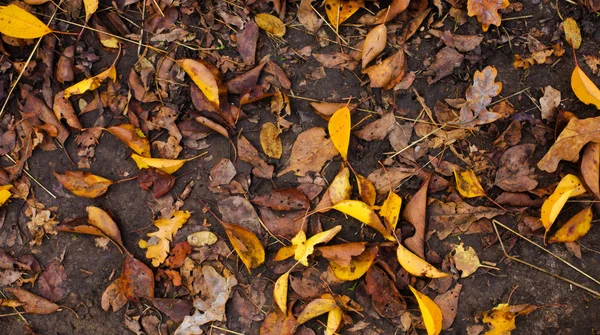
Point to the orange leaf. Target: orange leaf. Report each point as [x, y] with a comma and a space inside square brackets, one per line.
[486, 11]
[246, 244]
[584, 88]
[83, 184]
[467, 184]
[339, 11]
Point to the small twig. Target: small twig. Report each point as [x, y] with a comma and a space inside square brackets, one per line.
[517, 17]
[31, 176]
[329, 25]
[510, 96]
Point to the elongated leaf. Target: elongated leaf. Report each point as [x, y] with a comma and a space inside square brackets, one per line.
[584, 88]
[366, 190]
[83, 184]
[166, 165]
[280, 290]
[468, 185]
[334, 320]
[270, 141]
[133, 137]
[415, 212]
[374, 44]
[17, 22]
[271, 24]
[339, 129]
[390, 210]
[98, 218]
[432, 314]
[572, 33]
[363, 213]
[575, 228]
[246, 244]
[340, 188]
[90, 8]
[417, 266]
[339, 11]
[590, 167]
[92, 83]
[203, 77]
[317, 307]
[569, 186]
[33, 303]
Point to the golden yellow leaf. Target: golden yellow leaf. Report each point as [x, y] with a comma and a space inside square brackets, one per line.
[340, 188]
[339, 130]
[432, 314]
[166, 165]
[390, 210]
[416, 266]
[92, 83]
[98, 218]
[5, 193]
[285, 252]
[17, 22]
[202, 238]
[159, 243]
[374, 44]
[90, 8]
[271, 24]
[502, 317]
[317, 307]
[366, 190]
[572, 33]
[584, 88]
[358, 266]
[305, 248]
[569, 186]
[339, 11]
[363, 213]
[83, 184]
[133, 137]
[270, 141]
[203, 77]
[280, 290]
[467, 184]
[575, 228]
[246, 244]
[334, 320]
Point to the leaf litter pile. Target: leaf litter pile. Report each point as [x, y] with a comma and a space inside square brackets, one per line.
[299, 167]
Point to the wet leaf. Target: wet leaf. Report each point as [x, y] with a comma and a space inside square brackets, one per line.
[415, 212]
[445, 62]
[317, 307]
[277, 323]
[502, 317]
[310, 152]
[283, 200]
[339, 130]
[363, 213]
[339, 11]
[280, 290]
[203, 77]
[572, 33]
[432, 315]
[569, 186]
[389, 72]
[83, 184]
[246, 244]
[113, 297]
[305, 248]
[575, 228]
[465, 260]
[584, 88]
[366, 190]
[590, 168]
[32, 303]
[17, 22]
[358, 266]
[386, 14]
[417, 266]
[137, 280]
[374, 44]
[166, 165]
[515, 173]
[248, 153]
[271, 24]
[133, 137]
[467, 184]
[270, 141]
[390, 210]
[486, 11]
[158, 245]
[90, 8]
[92, 83]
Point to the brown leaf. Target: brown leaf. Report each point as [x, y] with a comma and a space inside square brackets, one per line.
[569, 143]
[160, 182]
[342, 253]
[64, 66]
[36, 106]
[549, 102]
[374, 44]
[284, 224]
[276, 323]
[52, 281]
[307, 16]
[590, 167]
[244, 82]
[448, 303]
[310, 152]
[480, 94]
[64, 110]
[210, 124]
[337, 60]
[278, 72]
[386, 14]
[462, 43]
[396, 175]
[326, 109]
[444, 218]
[385, 298]
[248, 153]
[486, 11]
[445, 62]
[515, 173]
[283, 200]
[389, 72]
[137, 280]
[132, 137]
[222, 173]
[415, 213]
[238, 210]
[83, 184]
[378, 130]
[32, 303]
[113, 296]
[176, 309]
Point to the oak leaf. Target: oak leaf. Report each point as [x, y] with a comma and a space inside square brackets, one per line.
[486, 11]
[159, 244]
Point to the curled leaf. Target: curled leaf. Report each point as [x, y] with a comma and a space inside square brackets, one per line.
[98, 218]
[366, 190]
[246, 244]
[339, 129]
[432, 314]
[359, 265]
[33, 303]
[339, 11]
[83, 184]
[575, 228]
[363, 213]
[17, 22]
[502, 318]
[133, 137]
[417, 266]
[569, 186]
[305, 248]
[92, 83]
[317, 307]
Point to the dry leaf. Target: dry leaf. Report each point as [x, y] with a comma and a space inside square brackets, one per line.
[432, 314]
[465, 260]
[572, 33]
[201, 238]
[204, 77]
[342, 253]
[270, 141]
[415, 213]
[445, 62]
[246, 244]
[339, 130]
[363, 213]
[590, 167]
[385, 298]
[448, 303]
[480, 94]
[277, 323]
[166, 165]
[17, 22]
[305, 248]
[271, 24]
[366, 190]
[358, 266]
[248, 153]
[575, 228]
[283, 200]
[307, 16]
[98, 218]
[515, 173]
[317, 307]
[133, 137]
[502, 317]
[417, 266]
[83, 184]
[92, 83]
[386, 14]
[90, 8]
[310, 152]
[486, 11]
[448, 217]
[159, 243]
[467, 184]
[569, 186]
[549, 102]
[280, 290]
[326, 109]
[374, 44]
[334, 320]
[339, 11]
[32, 303]
[584, 88]
[378, 129]
[63, 109]
[389, 72]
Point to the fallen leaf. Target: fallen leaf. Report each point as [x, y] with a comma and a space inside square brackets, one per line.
[175, 309]
[99, 219]
[339, 130]
[569, 186]
[339, 190]
[137, 280]
[201, 238]
[92, 83]
[385, 298]
[480, 94]
[465, 260]
[90, 8]
[113, 296]
[203, 76]
[305, 248]
[356, 268]
[467, 184]
[283, 200]
[158, 245]
[280, 290]
[379, 129]
[248, 153]
[271, 24]
[83, 184]
[462, 43]
[334, 320]
[363, 213]
[246, 81]
[593, 62]
[417, 266]
[502, 317]
[432, 314]
[448, 304]
[5, 194]
[166, 165]
[486, 11]
[246, 244]
[386, 14]
[389, 72]
[390, 210]
[445, 62]
[584, 88]
[575, 228]
[448, 217]
[590, 167]
[515, 173]
[549, 102]
[326, 109]
[339, 11]
[270, 141]
[63, 109]
[317, 307]
[310, 152]
[160, 182]
[32, 303]
[51, 282]
[17, 22]
[415, 212]
[247, 39]
[391, 177]
[366, 190]
[572, 33]
[277, 323]
[374, 44]
[342, 253]
[307, 16]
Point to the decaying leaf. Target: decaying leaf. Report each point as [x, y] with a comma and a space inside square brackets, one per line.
[271, 24]
[90, 8]
[479, 96]
[310, 152]
[448, 304]
[283, 200]
[366, 190]
[374, 44]
[502, 317]
[515, 174]
[432, 314]
[575, 228]
[449, 217]
[339, 130]
[584, 88]
[386, 14]
[32, 303]
[203, 76]
[465, 260]
[417, 266]
[572, 33]
[549, 102]
[326, 109]
[270, 141]
[569, 186]
[83, 184]
[277, 323]
[363, 213]
[248, 153]
[17, 22]
[160, 182]
[590, 167]
[92, 83]
[445, 62]
[158, 245]
[307, 16]
[389, 72]
[133, 137]
[98, 218]
[339, 11]
[415, 213]
[385, 298]
[357, 267]
[246, 244]
[486, 11]
[468, 185]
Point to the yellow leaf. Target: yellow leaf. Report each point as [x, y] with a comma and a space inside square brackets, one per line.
[202, 238]
[4, 193]
[374, 44]
[572, 33]
[584, 88]
[92, 83]
[246, 244]
[502, 317]
[305, 248]
[90, 8]
[358, 266]
[203, 77]
[390, 210]
[17, 22]
[166, 165]
[416, 266]
[83, 184]
[317, 307]
[363, 213]
[339, 11]
[467, 184]
[340, 188]
[159, 243]
[465, 260]
[285, 252]
[339, 130]
[270, 141]
[98, 218]
[569, 186]
[432, 314]
[334, 320]
[366, 190]
[280, 291]
[575, 228]
[133, 137]
[271, 24]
